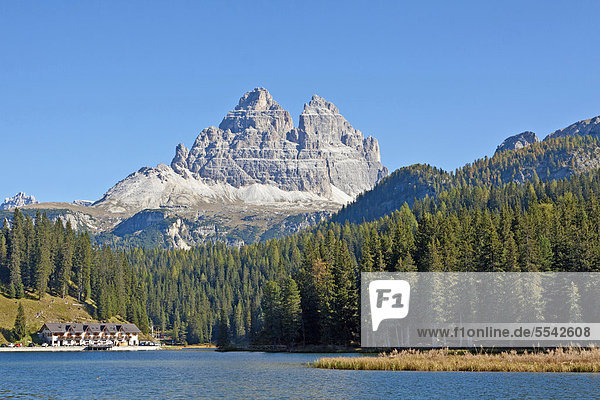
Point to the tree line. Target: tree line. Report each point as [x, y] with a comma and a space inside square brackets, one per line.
[39, 256]
[304, 288]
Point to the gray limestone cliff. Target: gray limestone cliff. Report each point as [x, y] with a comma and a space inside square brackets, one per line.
[256, 143]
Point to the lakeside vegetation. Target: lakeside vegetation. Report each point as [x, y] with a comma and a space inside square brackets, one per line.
[555, 360]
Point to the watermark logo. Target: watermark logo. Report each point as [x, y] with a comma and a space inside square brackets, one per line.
[389, 300]
[473, 309]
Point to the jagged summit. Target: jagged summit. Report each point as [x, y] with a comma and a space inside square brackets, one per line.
[256, 145]
[257, 110]
[518, 141]
[18, 200]
[258, 99]
[319, 103]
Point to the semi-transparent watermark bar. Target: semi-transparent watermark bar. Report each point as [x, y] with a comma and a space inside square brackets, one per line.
[466, 309]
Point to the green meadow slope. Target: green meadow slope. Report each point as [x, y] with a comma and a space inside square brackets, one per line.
[38, 312]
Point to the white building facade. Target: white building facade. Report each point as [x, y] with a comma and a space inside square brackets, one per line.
[92, 334]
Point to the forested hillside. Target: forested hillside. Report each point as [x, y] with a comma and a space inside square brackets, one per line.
[38, 256]
[556, 158]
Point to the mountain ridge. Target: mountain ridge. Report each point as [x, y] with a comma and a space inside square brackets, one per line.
[563, 153]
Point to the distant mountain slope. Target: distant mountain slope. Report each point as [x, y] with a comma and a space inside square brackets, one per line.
[586, 127]
[553, 158]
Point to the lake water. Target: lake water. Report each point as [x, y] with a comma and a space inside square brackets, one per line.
[206, 374]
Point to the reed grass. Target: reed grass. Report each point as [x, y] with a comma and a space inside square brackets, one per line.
[555, 360]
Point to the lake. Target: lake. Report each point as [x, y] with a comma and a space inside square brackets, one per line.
[206, 374]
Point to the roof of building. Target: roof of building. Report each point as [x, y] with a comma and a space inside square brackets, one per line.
[130, 328]
[76, 328]
[93, 327]
[55, 327]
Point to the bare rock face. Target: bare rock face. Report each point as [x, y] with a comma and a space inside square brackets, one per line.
[257, 110]
[256, 143]
[586, 127]
[18, 200]
[351, 162]
[519, 141]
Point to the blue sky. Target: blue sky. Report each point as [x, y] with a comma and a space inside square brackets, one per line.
[91, 91]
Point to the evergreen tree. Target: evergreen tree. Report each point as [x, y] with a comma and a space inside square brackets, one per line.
[20, 328]
[43, 261]
[291, 311]
[272, 311]
[223, 338]
[16, 245]
[3, 252]
[177, 328]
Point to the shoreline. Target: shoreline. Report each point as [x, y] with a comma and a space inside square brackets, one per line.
[63, 349]
[443, 360]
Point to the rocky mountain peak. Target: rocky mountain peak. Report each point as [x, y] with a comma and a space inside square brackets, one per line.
[319, 104]
[321, 120]
[518, 141]
[257, 110]
[18, 200]
[258, 99]
[257, 156]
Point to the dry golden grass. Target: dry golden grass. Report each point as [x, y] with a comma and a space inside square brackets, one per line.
[557, 360]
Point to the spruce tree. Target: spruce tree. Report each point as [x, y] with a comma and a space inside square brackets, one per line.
[3, 252]
[43, 265]
[291, 311]
[20, 328]
[223, 337]
[272, 311]
[17, 242]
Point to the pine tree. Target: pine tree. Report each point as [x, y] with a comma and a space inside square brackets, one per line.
[223, 337]
[239, 330]
[43, 261]
[195, 334]
[65, 260]
[291, 318]
[272, 311]
[177, 327]
[3, 252]
[83, 265]
[17, 242]
[20, 328]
